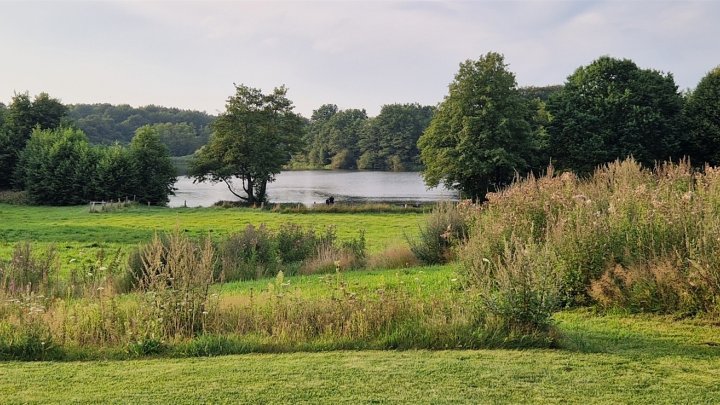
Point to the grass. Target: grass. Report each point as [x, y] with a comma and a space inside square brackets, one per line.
[301, 327]
[626, 359]
[79, 233]
[423, 282]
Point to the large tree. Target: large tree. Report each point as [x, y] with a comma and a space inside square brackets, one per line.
[20, 118]
[479, 136]
[59, 167]
[612, 109]
[252, 140]
[702, 111]
[151, 162]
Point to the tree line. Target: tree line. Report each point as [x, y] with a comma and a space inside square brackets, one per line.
[44, 154]
[349, 139]
[182, 131]
[483, 134]
[487, 130]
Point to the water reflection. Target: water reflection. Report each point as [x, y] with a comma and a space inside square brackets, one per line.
[314, 186]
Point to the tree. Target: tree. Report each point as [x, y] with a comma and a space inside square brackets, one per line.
[59, 167]
[106, 124]
[390, 139]
[118, 176]
[479, 137]
[252, 140]
[702, 113]
[151, 162]
[316, 136]
[20, 118]
[612, 109]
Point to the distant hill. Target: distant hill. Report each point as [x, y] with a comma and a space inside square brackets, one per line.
[106, 124]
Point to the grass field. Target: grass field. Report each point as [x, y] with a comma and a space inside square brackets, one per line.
[614, 357]
[79, 234]
[138, 224]
[622, 359]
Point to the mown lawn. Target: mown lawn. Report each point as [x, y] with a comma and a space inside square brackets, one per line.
[624, 359]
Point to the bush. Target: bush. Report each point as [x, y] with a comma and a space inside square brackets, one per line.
[445, 228]
[296, 244]
[519, 290]
[248, 255]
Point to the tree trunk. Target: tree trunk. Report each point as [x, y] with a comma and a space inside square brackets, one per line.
[262, 187]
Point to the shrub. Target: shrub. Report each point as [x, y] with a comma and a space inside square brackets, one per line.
[519, 290]
[248, 255]
[445, 228]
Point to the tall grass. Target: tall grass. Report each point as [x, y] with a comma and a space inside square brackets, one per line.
[445, 228]
[173, 312]
[627, 236]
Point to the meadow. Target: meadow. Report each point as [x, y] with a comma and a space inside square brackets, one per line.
[79, 234]
[558, 289]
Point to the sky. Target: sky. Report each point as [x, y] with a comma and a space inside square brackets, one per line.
[356, 54]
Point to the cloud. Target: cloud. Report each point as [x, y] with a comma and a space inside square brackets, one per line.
[356, 54]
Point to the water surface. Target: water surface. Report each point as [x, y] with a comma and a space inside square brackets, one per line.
[314, 186]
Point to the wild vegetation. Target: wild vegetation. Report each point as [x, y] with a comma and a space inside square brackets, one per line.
[626, 238]
[613, 267]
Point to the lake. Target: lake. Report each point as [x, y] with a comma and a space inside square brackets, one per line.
[314, 186]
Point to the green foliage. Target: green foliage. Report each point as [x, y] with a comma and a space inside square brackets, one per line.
[117, 174]
[180, 139]
[702, 114]
[31, 343]
[175, 286]
[333, 136]
[59, 167]
[183, 131]
[348, 139]
[389, 141]
[612, 109]
[248, 255]
[258, 252]
[151, 162]
[479, 137]
[251, 142]
[519, 291]
[29, 271]
[20, 118]
[542, 93]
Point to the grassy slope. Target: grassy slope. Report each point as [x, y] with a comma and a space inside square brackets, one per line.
[624, 359]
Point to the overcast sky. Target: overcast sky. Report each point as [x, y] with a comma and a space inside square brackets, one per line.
[353, 54]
